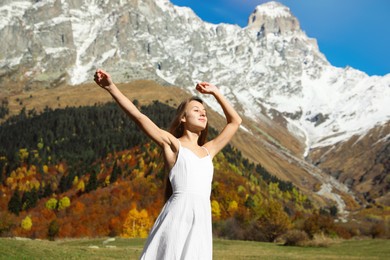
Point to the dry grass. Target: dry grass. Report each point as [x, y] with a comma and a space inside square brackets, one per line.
[320, 240]
[145, 91]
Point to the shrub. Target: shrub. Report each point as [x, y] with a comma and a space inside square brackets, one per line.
[295, 237]
[229, 229]
[378, 229]
[317, 224]
[343, 232]
[320, 240]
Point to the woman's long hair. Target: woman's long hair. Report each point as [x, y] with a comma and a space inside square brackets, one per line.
[177, 129]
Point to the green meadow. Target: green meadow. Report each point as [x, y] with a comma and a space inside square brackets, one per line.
[120, 248]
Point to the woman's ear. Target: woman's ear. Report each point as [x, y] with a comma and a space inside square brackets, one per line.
[183, 118]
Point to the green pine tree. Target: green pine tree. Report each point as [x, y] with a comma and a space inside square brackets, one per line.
[15, 203]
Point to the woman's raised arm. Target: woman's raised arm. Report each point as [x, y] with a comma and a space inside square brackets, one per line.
[233, 120]
[161, 137]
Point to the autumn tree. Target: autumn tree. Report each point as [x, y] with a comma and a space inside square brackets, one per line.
[27, 223]
[137, 224]
[63, 203]
[233, 206]
[51, 203]
[274, 221]
[215, 210]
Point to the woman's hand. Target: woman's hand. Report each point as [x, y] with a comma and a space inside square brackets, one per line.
[103, 79]
[206, 88]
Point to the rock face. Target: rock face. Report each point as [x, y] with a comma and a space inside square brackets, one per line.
[270, 70]
[282, 21]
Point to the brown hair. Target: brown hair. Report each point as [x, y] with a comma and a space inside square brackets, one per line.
[177, 129]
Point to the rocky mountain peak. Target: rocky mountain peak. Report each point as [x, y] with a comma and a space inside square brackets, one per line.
[273, 17]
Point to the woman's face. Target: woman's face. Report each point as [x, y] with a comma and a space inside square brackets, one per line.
[195, 117]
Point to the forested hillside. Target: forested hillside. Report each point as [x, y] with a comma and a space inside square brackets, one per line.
[89, 171]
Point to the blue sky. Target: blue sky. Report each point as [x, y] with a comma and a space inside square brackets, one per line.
[352, 33]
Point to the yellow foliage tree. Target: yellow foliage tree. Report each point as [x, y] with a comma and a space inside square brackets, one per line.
[141, 163]
[40, 144]
[51, 203]
[107, 180]
[34, 184]
[75, 181]
[298, 196]
[274, 190]
[23, 154]
[31, 171]
[215, 210]
[21, 172]
[137, 224]
[63, 203]
[10, 181]
[27, 223]
[233, 206]
[81, 186]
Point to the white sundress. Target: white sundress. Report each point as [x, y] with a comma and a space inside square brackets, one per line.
[183, 228]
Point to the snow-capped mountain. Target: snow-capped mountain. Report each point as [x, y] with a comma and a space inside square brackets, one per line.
[270, 64]
[268, 69]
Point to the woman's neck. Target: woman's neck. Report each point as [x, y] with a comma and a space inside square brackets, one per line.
[190, 137]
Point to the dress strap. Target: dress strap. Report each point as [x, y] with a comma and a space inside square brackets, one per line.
[206, 150]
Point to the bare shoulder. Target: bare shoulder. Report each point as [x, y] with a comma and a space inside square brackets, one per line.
[169, 141]
[211, 149]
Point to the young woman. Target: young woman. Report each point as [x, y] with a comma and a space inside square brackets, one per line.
[183, 228]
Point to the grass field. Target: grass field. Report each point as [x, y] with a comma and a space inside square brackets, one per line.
[11, 248]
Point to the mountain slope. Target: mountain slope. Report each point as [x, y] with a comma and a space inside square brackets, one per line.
[272, 156]
[89, 171]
